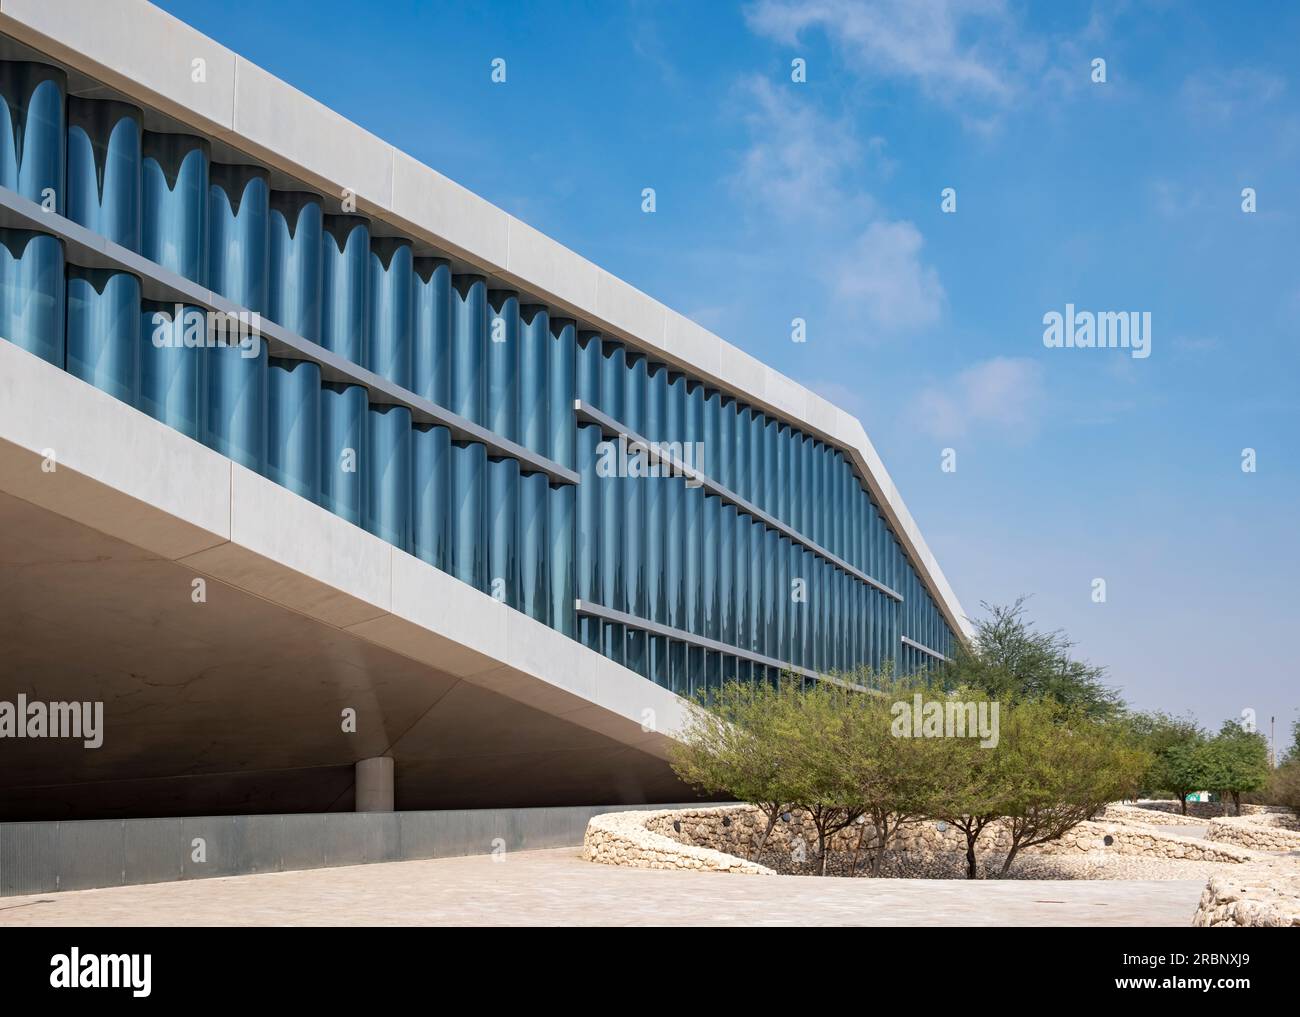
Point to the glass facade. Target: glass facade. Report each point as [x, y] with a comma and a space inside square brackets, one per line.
[672, 526]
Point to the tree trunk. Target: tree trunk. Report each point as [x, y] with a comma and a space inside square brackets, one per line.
[771, 825]
[882, 842]
[821, 850]
[971, 872]
[857, 850]
[1011, 857]
[1183, 798]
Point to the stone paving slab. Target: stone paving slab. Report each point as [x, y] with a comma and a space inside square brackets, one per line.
[557, 888]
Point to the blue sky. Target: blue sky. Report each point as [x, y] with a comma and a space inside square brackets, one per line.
[821, 200]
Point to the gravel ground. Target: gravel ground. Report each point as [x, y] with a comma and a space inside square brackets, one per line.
[1092, 865]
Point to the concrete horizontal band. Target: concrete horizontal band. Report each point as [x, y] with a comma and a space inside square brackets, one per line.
[925, 649]
[91, 250]
[148, 55]
[55, 856]
[586, 607]
[610, 426]
[124, 474]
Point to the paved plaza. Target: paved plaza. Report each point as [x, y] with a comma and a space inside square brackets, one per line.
[557, 888]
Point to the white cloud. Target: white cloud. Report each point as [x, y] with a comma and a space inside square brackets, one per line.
[885, 276]
[1222, 95]
[928, 41]
[799, 159]
[1005, 393]
[803, 174]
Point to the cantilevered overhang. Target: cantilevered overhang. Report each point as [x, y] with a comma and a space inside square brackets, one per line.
[152, 57]
[233, 701]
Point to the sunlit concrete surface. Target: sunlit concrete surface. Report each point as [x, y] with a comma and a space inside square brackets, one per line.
[557, 888]
[148, 55]
[233, 703]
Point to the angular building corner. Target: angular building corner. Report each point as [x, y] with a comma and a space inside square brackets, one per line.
[451, 496]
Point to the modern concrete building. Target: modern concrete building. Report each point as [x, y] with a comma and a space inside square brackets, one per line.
[450, 518]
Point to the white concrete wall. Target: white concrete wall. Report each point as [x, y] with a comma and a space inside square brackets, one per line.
[148, 55]
[78, 452]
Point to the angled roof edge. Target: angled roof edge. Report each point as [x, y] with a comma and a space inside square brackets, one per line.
[158, 60]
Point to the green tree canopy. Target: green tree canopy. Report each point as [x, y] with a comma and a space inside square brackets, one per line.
[1235, 760]
[1171, 742]
[1011, 661]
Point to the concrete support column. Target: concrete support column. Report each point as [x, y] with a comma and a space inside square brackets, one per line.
[374, 784]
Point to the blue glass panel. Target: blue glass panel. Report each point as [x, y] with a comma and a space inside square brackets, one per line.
[740, 582]
[561, 387]
[798, 606]
[613, 578]
[757, 486]
[771, 430]
[839, 494]
[175, 196]
[757, 609]
[674, 509]
[104, 330]
[678, 668]
[387, 474]
[561, 499]
[781, 596]
[345, 280]
[723, 456]
[391, 307]
[711, 550]
[469, 336]
[534, 388]
[296, 229]
[660, 667]
[103, 176]
[589, 544]
[693, 518]
[503, 366]
[33, 293]
[740, 450]
[694, 670]
[172, 339]
[503, 531]
[782, 477]
[534, 545]
[726, 574]
[238, 234]
[821, 600]
[654, 429]
[293, 425]
[771, 630]
[431, 485]
[636, 382]
[33, 137]
[795, 481]
[468, 513]
[343, 448]
[431, 328]
[234, 415]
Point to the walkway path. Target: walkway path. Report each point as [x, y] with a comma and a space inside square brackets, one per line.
[558, 888]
